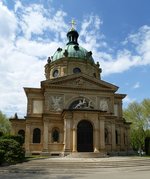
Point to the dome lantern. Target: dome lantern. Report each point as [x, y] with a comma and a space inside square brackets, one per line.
[72, 34]
[72, 50]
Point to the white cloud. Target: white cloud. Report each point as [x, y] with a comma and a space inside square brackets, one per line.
[126, 58]
[21, 57]
[8, 26]
[136, 85]
[115, 61]
[36, 20]
[18, 5]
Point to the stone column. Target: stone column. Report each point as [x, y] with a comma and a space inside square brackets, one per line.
[45, 136]
[113, 133]
[74, 140]
[67, 132]
[122, 137]
[96, 140]
[102, 134]
[27, 139]
[96, 136]
[61, 136]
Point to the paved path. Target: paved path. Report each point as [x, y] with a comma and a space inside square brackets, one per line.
[80, 168]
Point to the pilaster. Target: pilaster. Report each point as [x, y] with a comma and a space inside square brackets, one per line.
[67, 132]
[45, 135]
[113, 137]
[96, 136]
[27, 138]
[102, 133]
[74, 140]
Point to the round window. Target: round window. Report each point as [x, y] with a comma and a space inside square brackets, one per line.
[76, 70]
[55, 73]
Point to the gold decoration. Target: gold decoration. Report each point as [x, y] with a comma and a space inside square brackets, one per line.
[73, 23]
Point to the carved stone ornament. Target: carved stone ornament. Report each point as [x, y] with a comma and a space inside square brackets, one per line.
[82, 104]
[103, 105]
[56, 103]
[80, 82]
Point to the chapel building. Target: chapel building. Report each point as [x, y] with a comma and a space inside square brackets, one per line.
[74, 110]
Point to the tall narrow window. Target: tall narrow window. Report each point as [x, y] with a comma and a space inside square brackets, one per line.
[22, 133]
[36, 135]
[55, 135]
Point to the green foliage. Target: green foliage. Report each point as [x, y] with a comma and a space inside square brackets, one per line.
[2, 153]
[17, 138]
[4, 124]
[11, 151]
[139, 115]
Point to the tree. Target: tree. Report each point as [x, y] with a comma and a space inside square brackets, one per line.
[139, 115]
[4, 124]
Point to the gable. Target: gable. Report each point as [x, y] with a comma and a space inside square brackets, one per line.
[80, 81]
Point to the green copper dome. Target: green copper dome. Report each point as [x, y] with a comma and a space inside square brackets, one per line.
[72, 49]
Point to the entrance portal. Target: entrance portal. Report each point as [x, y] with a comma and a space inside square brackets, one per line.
[84, 136]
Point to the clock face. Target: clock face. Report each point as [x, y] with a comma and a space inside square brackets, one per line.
[55, 73]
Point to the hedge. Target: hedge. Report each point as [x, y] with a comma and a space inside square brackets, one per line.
[17, 138]
[11, 151]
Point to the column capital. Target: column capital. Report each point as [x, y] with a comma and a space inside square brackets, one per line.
[101, 118]
[68, 115]
[46, 120]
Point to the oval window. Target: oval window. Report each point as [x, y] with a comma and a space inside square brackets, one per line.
[55, 73]
[76, 70]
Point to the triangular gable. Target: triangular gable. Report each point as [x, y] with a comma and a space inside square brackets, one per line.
[80, 81]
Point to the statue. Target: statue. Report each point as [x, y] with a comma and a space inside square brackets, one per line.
[83, 104]
[16, 116]
[49, 60]
[55, 136]
[65, 53]
[90, 105]
[80, 104]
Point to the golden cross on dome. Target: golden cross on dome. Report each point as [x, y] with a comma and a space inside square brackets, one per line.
[73, 23]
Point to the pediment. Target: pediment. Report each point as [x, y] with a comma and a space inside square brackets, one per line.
[80, 81]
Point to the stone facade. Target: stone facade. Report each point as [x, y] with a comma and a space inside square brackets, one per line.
[73, 111]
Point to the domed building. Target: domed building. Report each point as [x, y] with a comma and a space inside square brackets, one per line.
[74, 110]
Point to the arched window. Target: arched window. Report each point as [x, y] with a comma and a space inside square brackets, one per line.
[117, 137]
[36, 135]
[22, 133]
[106, 136]
[55, 135]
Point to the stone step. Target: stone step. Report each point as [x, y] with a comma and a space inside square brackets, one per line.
[87, 155]
[69, 164]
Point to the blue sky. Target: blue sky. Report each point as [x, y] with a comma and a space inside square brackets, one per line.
[116, 31]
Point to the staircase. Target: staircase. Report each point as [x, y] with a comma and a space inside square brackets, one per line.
[87, 155]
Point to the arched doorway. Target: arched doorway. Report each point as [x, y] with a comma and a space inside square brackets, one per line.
[84, 136]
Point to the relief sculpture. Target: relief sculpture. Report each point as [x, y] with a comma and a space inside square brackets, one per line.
[56, 103]
[103, 105]
[84, 104]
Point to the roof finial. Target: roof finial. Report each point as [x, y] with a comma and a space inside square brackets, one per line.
[73, 23]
